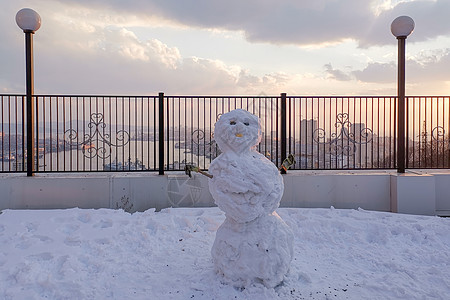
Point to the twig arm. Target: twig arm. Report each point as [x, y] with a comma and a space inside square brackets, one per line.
[188, 169]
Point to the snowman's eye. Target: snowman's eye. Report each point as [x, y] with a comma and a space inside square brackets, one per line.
[246, 124]
[232, 122]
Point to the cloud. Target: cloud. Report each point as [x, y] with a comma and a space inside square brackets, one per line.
[117, 62]
[377, 72]
[91, 56]
[80, 52]
[429, 66]
[295, 22]
[430, 17]
[125, 43]
[336, 74]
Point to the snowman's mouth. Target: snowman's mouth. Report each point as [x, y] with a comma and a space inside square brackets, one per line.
[239, 135]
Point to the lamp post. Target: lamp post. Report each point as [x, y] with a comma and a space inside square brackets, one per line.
[401, 27]
[29, 21]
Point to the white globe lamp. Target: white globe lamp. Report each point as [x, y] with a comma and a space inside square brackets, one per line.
[402, 26]
[28, 20]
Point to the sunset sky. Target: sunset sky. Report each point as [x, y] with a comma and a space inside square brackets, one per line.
[234, 47]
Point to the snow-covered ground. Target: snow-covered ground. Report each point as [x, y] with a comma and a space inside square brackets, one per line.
[111, 254]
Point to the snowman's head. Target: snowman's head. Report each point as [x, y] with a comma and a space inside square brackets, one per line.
[237, 131]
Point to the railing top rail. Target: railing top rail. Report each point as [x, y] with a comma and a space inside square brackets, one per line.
[427, 96]
[222, 96]
[341, 97]
[225, 96]
[92, 96]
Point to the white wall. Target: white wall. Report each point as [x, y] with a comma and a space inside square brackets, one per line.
[369, 190]
[382, 191]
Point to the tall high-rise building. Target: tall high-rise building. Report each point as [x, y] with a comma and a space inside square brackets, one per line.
[358, 135]
[307, 129]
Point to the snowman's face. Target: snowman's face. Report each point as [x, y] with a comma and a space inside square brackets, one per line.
[237, 131]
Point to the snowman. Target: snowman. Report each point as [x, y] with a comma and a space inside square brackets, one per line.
[253, 245]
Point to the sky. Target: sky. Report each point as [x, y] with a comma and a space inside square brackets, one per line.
[212, 47]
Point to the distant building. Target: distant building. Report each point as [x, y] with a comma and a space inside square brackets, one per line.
[307, 129]
[357, 134]
[356, 130]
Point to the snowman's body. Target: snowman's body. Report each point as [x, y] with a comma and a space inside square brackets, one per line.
[253, 244]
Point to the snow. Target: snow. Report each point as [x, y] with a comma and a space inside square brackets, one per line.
[253, 245]
[243, 190]
[259, 251]
[245, 184]
[111, 254]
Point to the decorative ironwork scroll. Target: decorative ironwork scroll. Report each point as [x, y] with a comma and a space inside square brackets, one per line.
[208, 149]
[96, 143]
[345, 140]
[438, 134]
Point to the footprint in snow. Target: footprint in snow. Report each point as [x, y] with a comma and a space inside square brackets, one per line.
[42, 238]
[84, 218]
[104, 224]
[45, 256]
[31, 227]
[72, 241]
[69, 228]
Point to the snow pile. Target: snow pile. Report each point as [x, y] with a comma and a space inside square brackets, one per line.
[110, 254]
[257, 251]
[253, 244]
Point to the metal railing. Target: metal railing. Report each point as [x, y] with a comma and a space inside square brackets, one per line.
[96, 133]
[12, 133]
[427, 132]
[330, 133]
[164, 133]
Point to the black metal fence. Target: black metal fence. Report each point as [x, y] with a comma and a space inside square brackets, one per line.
[164, 133]
[12, 133]
[427, 132]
